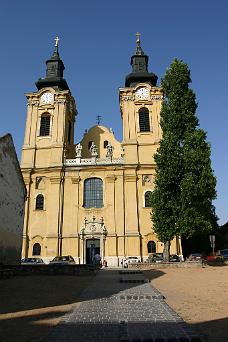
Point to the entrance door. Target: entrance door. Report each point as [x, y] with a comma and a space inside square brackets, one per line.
[92, 248]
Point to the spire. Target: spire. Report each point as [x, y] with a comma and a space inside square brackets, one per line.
[139, 63]
[54, 71]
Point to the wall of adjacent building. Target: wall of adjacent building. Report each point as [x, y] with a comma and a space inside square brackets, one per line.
[12, 198]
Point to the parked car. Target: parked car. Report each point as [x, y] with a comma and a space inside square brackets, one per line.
[131, 260]
[224, 253]
[155, 257]
[63, 260]
[151, 258]
[158, 257]
[174, 258]
[216, 258]
[32, 261]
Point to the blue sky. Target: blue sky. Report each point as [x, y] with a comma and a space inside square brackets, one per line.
[97, 39]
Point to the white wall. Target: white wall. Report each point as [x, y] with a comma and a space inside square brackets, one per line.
[12, 197]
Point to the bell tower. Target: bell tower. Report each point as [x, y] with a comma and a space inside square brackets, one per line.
[140, 105]
[49, 132]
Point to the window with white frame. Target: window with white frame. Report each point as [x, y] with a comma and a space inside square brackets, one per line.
[93, 193]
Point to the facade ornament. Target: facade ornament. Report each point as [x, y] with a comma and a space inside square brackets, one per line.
[128, 98]
[122, 152]
[93, 150]
[34, 103]
[61, 101]
[157, 97]
[78, 150]
[109, 150]
[146, 179]
[82, 233]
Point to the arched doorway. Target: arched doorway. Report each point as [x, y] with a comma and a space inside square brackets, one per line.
[92, 248]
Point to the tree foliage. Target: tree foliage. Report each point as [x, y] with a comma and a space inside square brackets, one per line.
[184, 181]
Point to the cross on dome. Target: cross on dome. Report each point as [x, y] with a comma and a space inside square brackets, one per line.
[138, 38]
[57, 41]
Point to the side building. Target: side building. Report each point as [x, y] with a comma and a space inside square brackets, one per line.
[12, 202]
[93, 197]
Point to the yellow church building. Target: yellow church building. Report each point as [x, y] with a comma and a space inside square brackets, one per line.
[92, 197]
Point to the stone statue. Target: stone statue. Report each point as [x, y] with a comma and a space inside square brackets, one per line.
[78, 150]
[109, 150]
[93, 150]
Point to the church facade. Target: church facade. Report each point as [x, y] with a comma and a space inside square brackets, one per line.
[92, 197]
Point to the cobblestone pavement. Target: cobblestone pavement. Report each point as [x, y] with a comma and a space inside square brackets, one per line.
[120, 307]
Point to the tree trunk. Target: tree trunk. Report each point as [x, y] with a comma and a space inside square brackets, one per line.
[166, 251]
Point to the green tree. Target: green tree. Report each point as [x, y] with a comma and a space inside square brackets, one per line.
[184, 181]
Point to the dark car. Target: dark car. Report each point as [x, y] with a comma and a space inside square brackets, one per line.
[32, 261]
[174, 258]
[224, 253]
[158, 257]
[63, 260]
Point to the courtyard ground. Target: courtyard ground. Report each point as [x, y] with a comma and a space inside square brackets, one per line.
[31, 305]
[199, 296]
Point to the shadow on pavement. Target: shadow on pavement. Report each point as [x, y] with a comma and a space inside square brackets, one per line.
[50, 297]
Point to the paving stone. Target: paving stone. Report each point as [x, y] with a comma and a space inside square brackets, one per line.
[112, 311]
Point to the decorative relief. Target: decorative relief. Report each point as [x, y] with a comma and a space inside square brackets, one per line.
[34, 103]
[40, 183]
[93, 227]
[60, 101]
[157, 97]
[146, 179]
[128, 98]
[132, 98]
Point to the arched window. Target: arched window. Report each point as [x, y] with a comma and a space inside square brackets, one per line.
[105, 143]
[151, 247]
[36, 249]
[144, 120]
[148, 199]
[39, 202]
[93, 193]
[45, 124]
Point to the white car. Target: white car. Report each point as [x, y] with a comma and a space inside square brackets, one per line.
[131, 260]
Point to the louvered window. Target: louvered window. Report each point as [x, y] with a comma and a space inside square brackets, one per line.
[45, 125]
[144, 120]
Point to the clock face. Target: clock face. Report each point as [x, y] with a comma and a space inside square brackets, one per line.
[142, 93]
[47, 98]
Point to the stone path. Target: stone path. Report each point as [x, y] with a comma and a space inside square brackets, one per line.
[122, 307]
